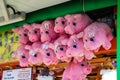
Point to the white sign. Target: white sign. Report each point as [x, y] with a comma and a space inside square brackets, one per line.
[17, 74]
[45, 77]
[108, 74]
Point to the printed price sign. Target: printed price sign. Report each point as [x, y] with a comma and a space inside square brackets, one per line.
[17, 74]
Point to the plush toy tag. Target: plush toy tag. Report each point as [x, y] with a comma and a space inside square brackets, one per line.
[45, 77]
[20, 54]
[45, 46]
[56, 48]
[74, 40]
[91, 35]
[46, 26]
[32, 52]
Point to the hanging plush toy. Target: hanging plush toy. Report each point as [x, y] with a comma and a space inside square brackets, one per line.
[46, 74]
[47, 31]
[76, 49]
[76, 23]
[35, 56]
[76, 71]
[49, 56]
[60, 24]
[23, 34]
[34, 31]
[97, 35]
[22, 54]
[60, 49]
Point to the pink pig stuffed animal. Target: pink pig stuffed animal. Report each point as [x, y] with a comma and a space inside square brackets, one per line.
[76, 49]
[60, 24]
[22, 54]
[97, 35]
[49, 56]
[76, 23]
[76, 71]
[47, 31]
[34, 31]
[35, 56]
[60, 49]
[23, 34]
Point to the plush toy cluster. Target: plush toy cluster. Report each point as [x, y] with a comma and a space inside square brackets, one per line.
[71, 39]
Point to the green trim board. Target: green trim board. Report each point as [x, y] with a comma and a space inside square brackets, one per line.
[70, 7]
[118, 42]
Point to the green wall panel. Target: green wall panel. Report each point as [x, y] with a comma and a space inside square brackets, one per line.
[73, 6]
[118, 42]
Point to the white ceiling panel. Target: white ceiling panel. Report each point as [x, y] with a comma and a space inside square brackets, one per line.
[32, 5]
[0, 11]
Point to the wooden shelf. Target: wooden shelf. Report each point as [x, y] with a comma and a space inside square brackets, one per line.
[9, 64]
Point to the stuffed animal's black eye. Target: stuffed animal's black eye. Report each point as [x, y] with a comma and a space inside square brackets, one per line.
[63, 22]
[25, 34]
[48, 54]
[47, 32]
[82, 64]
[91, 39]
[35, 55]
[74, 46]
[74, 23]
[35, 32]
[23, 57]
[56, 22]
[86, 40]
[61, 49]
[68, 22]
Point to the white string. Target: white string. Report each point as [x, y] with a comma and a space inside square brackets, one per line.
[83, 6]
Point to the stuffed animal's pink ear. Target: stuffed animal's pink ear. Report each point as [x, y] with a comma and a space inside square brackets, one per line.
[64, 42]
[78, 15]
[38, 49]
[28, 47]
[35, 25]
[80, 35]
[51, 45]
[67, 16]
[73, 36]
[27, 26]
[17, 30]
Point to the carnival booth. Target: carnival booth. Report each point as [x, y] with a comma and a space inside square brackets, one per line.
[58, 40]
